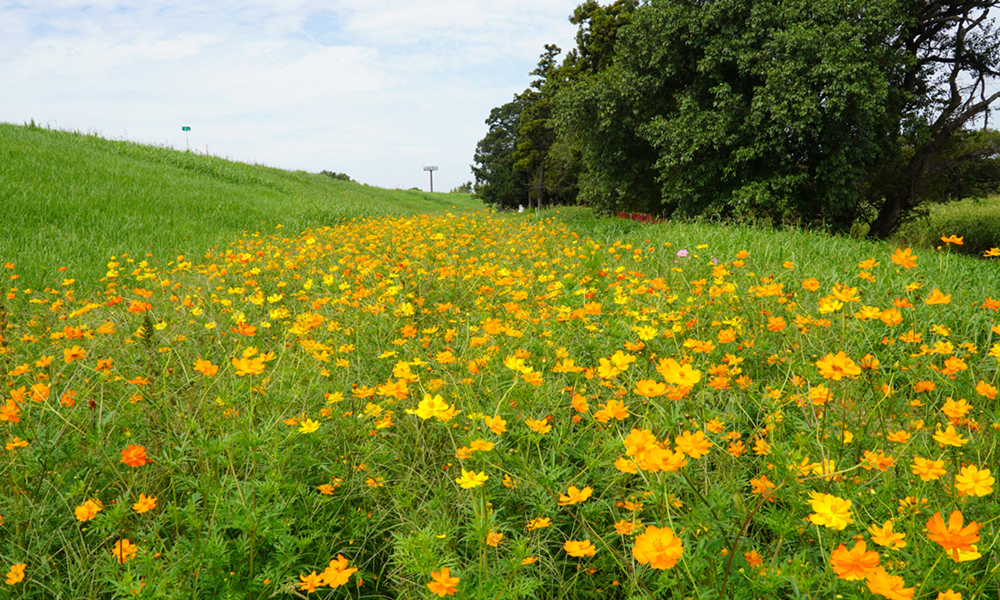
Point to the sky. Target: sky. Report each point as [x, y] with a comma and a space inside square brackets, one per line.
[377, 89]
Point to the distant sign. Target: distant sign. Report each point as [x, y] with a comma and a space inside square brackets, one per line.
[185, 129]
[430, 168]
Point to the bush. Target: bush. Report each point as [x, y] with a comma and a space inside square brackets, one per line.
[977, 221]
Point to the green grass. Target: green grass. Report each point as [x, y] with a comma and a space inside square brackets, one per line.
[73, 200]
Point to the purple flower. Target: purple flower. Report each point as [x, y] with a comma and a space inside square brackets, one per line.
[682, 253]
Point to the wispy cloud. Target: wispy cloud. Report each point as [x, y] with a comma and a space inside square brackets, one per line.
[376, 89]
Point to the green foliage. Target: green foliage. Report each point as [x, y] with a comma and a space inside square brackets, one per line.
[498, 182]
[337, 176]
[818, 113]
[977, 221]
[547, 160]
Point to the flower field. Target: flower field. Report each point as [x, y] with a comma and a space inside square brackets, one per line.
[498, 406]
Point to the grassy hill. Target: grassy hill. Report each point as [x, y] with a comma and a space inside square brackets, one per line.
[75, 200]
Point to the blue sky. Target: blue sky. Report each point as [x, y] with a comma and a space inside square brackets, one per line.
[377, 89]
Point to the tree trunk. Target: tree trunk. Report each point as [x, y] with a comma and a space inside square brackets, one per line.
[888, 216]
[541, 187]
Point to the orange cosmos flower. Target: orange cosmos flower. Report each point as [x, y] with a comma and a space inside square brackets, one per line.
[145, 504]
[954, 537]
[206, 368]
[88, 510]
[493, 538]
[39, 392]
[124, 551]
[443, 583]
[10, 412]
[694, 445]
[904, 258]
[936, 297]
[926, 469]
[134, 455]
[613, 409]
[658, 548]
[16, 573]
[74, 353]
[575, 496]
[248, 366]
[855, 563]
[538, 426]
[956, 409]
[579, 548]
[650, 388]
[950, 437]
[677, 374]
[310, 582]
[470, 479]
[810, 284]
[885, 536]
[953, 239]
[889, 586]
[496, 424]
[985, 389]
[337, 573]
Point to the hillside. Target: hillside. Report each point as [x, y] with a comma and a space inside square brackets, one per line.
[75, 200]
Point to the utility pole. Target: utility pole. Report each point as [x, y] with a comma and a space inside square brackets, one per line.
[431, 171]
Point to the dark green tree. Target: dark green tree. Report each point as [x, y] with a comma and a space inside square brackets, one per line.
[817, 111]
[536, 133]
[548, 161]
[498, 183]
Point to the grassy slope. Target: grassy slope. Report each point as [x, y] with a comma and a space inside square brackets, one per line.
[76, 200]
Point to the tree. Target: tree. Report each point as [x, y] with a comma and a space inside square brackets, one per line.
[498, 183]
[818, 111]
[547, 162]
[337, 176]
[536, 133]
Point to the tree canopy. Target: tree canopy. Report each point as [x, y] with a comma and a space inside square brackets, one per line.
[817, 112]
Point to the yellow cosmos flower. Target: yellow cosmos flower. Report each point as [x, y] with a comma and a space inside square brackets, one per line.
[837, 366]
[579, 548]
[950, 437]
[830, 511]
[309, 426]
[973, 481]
[471, 479]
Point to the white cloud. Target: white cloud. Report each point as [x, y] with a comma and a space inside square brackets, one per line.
[376, 89]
